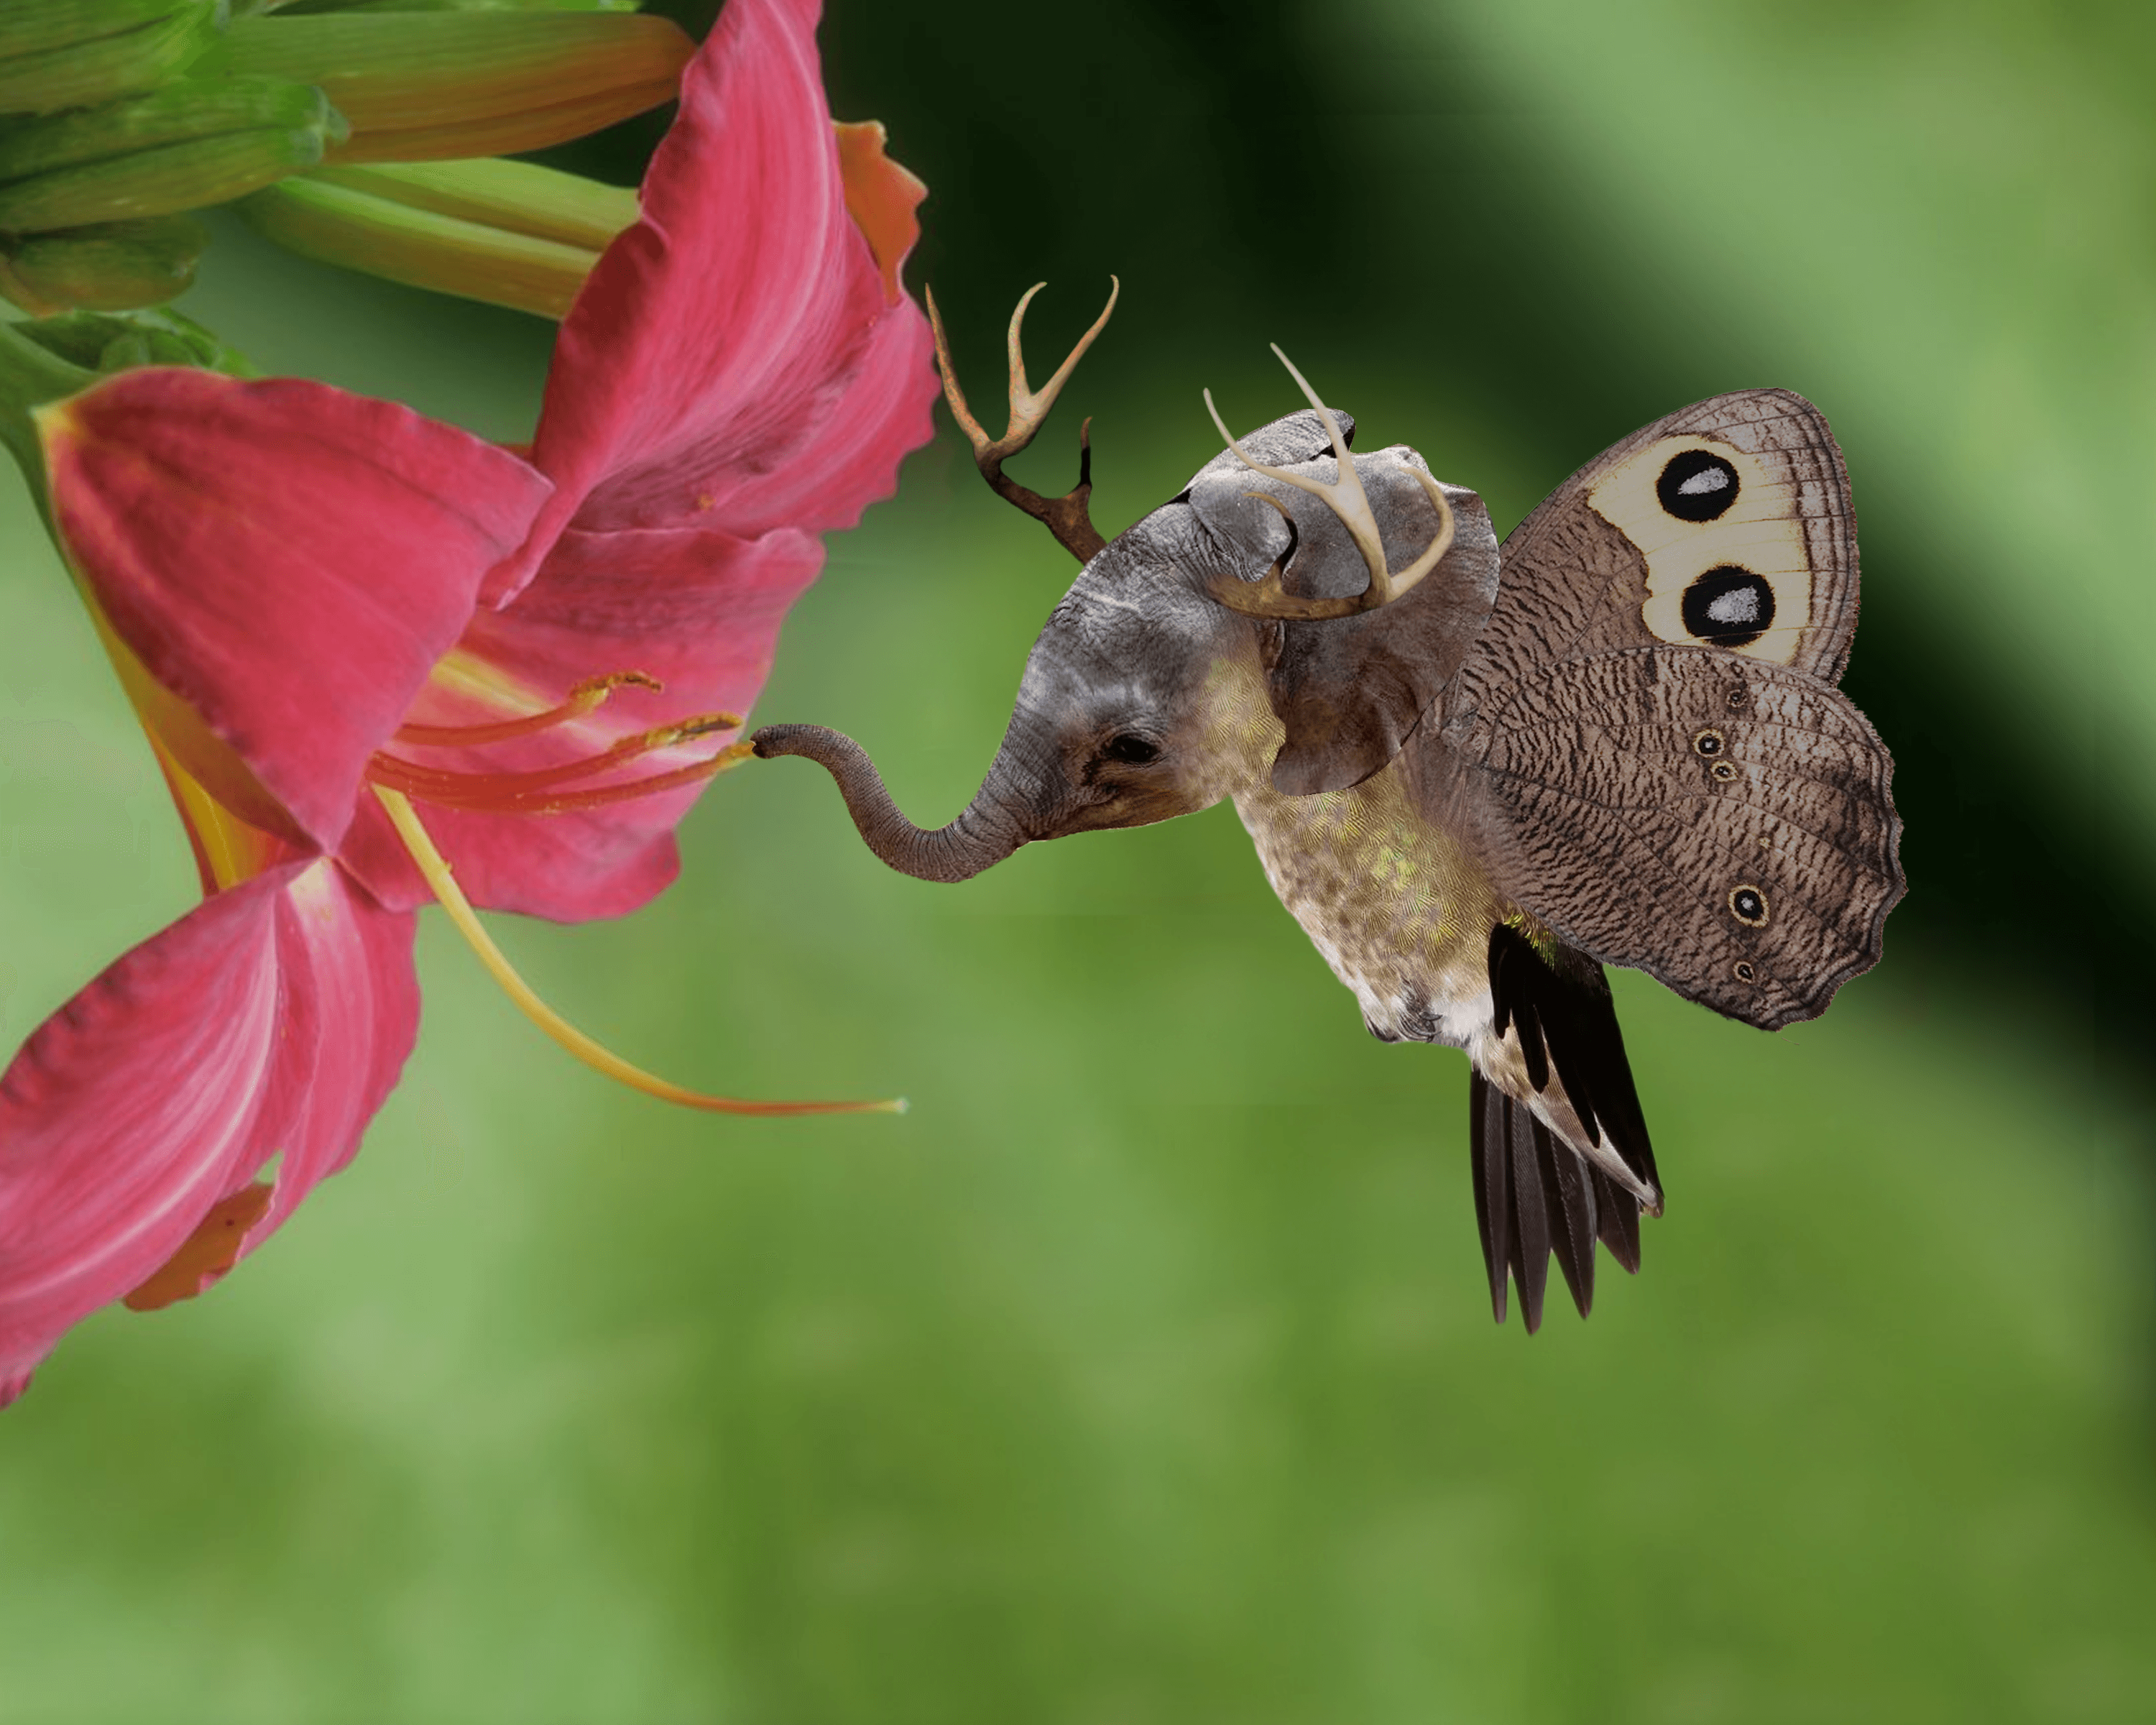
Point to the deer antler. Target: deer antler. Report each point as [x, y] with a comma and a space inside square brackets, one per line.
[1064, 516]
[1345, 497]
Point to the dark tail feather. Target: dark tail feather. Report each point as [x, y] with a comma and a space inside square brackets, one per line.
[1561, 1010]
[1491, 1149]
[1620, 1221]
[1565, 1179]
[1535, 1198]
[1531, 1233]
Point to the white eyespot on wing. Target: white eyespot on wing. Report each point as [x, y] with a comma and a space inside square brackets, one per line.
[1739, 606]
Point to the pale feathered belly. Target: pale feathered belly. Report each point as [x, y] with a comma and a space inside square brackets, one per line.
[1399, 909]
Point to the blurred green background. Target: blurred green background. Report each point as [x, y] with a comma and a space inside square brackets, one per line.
[1144, 1372]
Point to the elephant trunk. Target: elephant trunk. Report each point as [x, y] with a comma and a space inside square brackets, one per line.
[983, 835]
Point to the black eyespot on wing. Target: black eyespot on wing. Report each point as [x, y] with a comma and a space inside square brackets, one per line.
[1745, 970]
[1696, 486]
[1129, 746]
[1748, 906]
[1728, 607]
[1709, 742]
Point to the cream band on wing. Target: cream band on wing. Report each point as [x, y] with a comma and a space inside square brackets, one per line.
[1723, 544]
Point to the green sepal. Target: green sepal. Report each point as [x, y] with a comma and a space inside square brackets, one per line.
[162, 182]
[111, 266]
[424, 86]
[104, 342]
[100, 68]
[188, 109]
[507, 232]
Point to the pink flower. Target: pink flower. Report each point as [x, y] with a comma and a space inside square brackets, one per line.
[327, 609]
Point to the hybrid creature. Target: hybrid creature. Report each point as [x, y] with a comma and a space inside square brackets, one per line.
[1476, 775]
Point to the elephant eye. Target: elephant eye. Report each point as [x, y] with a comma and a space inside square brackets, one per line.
[1130, 747]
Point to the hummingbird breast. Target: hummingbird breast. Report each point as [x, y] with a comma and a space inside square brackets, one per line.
[1400, 909]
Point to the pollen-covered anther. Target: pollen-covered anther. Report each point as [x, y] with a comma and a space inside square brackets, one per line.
[541, 790]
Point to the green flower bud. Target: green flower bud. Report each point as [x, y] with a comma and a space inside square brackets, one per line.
[159, 181]
[508, 232]
[38, 26]
[423, 86]
[67, 53]
[114, 266]
[191, 109]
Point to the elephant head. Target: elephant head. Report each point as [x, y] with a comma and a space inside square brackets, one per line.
[1294, 612]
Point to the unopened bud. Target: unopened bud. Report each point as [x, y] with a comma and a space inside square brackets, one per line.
[69, 53]
[508, 232]
[181, 112]
[420, 87]
[113, 266]
[159, 181]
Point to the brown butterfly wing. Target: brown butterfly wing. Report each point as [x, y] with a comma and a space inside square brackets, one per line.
[1726, 826]
[1726, 525]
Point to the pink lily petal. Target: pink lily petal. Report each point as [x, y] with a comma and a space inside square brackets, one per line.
[851, 459]
[288, 560]
[699, 611]
[717, 340]
[167, 1083]
[352, 1002]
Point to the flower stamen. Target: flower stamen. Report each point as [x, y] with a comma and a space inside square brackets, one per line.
[588, 696]
[602, 796]
[513, 793]
[593, 1053]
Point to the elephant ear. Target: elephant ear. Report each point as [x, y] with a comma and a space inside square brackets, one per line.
[1349, 691]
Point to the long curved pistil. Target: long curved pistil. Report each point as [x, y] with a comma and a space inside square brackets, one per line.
[436, 871]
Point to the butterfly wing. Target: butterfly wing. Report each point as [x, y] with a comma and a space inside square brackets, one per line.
[1654, 761]
[1724, 824]
[1725, 525]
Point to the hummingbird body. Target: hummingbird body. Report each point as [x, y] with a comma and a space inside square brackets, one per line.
[1475, 775]
[1396, 903]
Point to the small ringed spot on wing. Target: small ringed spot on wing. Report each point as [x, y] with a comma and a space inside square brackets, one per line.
[1723, 771]
[1744, 972]
[1748, 906]
[1737, 697]
[1710, 743]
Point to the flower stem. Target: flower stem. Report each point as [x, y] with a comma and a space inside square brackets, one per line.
[30, 376]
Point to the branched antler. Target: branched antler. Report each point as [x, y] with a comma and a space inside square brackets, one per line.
[1345, 497]
[1064, 516]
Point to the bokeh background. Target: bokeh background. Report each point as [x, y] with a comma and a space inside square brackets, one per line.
[1144, 1373]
